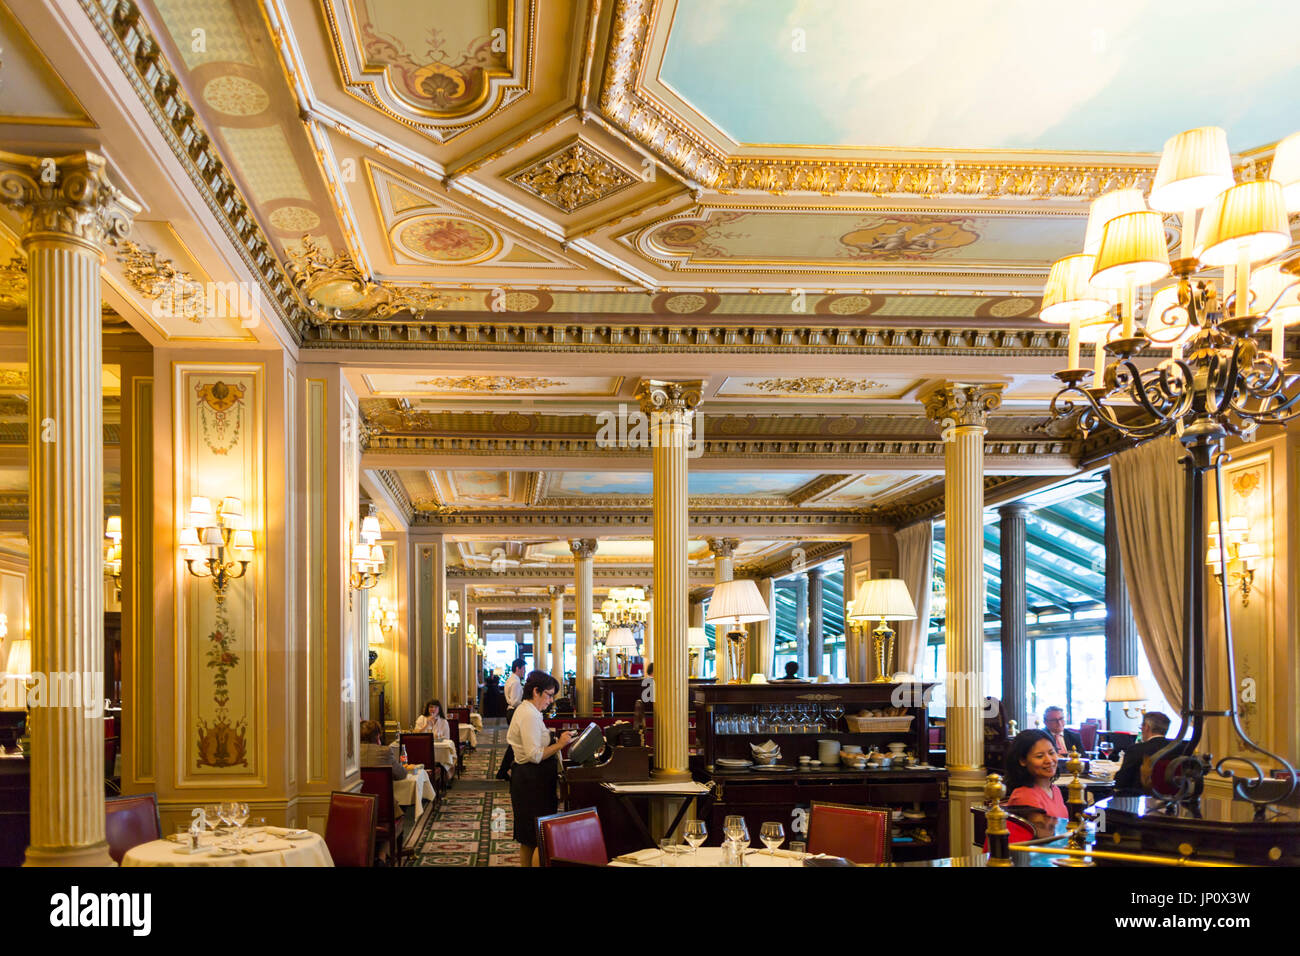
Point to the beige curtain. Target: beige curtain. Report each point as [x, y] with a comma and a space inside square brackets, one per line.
[915, 567]
[1147, 482]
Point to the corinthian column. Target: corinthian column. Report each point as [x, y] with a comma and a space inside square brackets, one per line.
[670, 408]
[583, 550]
[70, 211]
[723, 550]
[557, 633]
[962, 413]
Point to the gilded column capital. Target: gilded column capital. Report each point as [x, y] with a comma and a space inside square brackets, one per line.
[657, 396]
[68, 197]
[723, 547]
[955, 405]
[557, 590]
[583, 547]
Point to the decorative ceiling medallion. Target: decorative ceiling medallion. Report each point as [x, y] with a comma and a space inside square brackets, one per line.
[818, 386]
[1009, 307]
[294, 219]
[849, 304]
[488, 383]
[572, 176]
[236, 96]
[439, 67]
[518, 301]
[445, 238]
[685, 303]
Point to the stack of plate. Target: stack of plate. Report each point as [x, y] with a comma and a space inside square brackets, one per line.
[731, 763]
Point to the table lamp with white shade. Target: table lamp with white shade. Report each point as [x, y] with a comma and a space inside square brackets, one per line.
[736, 602]
[18, 669]
[1126, 689]
[617, 641]
[696, 642]
[883, 600]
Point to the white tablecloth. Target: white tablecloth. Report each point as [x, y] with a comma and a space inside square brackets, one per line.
[468, 735]
[414, 788]
[445, 751]
[476, 720]
[310, 851]
[709, 856]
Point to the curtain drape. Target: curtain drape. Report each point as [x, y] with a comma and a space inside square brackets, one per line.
[1149, 512]
[915, 567]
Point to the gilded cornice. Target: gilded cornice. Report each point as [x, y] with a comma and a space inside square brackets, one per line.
[391, 483]
[479, 334]
[504, 520]
[139, 56]
[672, 139]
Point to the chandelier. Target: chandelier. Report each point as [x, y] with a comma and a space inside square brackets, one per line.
[625, 607]
[1215, 381]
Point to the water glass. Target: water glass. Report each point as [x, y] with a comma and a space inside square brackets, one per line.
[799, 847]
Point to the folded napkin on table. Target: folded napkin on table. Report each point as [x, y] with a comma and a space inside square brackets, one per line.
[267, 846]
[640, 856]
[285, 831]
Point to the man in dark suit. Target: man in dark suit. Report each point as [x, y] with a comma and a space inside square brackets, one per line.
[1129, 779]
[1054, 724]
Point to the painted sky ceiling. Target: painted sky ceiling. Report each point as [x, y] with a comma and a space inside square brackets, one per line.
[1123, 76]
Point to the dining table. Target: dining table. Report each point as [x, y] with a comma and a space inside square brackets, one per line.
[413, 789]
[260, 846]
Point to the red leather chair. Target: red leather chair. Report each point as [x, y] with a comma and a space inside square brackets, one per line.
[859, 834]
[131, 821]
[453, 727]
[420, 749]
[350, 829]
[574, 837]
[1088, 736]
[378, 782]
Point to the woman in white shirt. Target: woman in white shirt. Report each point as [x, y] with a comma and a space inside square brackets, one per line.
[432, 721]
[535, 773]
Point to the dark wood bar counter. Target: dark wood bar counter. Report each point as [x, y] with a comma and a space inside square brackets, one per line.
[731, 718]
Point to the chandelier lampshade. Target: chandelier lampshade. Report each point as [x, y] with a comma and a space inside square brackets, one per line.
[1133, 252]
[1195, 166]
[1069, 295]
[1106, 207]
[620, 637]
[1286, 170]
[1249, 219]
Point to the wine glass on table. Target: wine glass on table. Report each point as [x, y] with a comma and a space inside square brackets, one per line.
[733, 827]
[1104, 747]
[773, 835]
[239, 816]
[695, 833]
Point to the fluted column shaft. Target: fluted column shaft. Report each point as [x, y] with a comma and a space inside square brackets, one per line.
[669, 405]
[816, 578]
[801, 623]
[583, 550]
[1015, 607]
[541, 640]
[723, 569]
[962, 412]
[765, 643]
[1121, 630]
[557, 633]
[441, 658]
[70, 212]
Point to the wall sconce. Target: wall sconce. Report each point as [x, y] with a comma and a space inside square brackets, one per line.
[208, 537]
[451, 619]
[113, 553]
[471, 636]
[1241, 554]
[367, 557]
[1126, 689]
[383, 616]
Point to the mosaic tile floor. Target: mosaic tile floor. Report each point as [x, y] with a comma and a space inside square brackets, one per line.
[473, 825]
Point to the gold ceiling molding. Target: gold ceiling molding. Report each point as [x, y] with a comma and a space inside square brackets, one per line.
[489, 383]
[813, 552]
[818, 486]
[390, 482]
[638, 115]
[817, 386]
[158, 280]
[821, 522]
[478, 333]
[573, 175]
[13, 378]
[448, 92]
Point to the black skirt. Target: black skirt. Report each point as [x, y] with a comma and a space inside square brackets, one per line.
[532, 795]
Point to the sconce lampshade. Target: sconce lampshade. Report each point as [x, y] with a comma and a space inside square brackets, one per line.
[695, 637]
[232, 507]
[883, 599]
[1069, 295]
[370, 531]
[189, 538]
[200, 505]
[113, 528]
[1124, 689]
[212, 535]
[376, 635]
[242, 540]
[737, 601]
[20, 659]
[1133, 252]
[1250, 215]
[1106, 207]
[1195, 166]
[1286, 170]
[620, 637]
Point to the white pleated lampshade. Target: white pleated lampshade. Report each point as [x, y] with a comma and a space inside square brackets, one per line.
[1106, 207]
[113, 528]
[620, 637]
[1195, 166]
[695, 637]
[1133, 251]
[20, 658]
[1125, 688]
[1286, 170]
[1069, 295]
[737, 601]
[883, 599]
[1275, 293]
[1250, 215]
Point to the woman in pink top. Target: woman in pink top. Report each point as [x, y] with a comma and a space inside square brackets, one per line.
[1031, 768]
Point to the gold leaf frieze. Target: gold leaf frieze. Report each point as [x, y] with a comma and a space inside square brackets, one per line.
[488, 383]
[817, 386]
[176, 291]
[572, 177]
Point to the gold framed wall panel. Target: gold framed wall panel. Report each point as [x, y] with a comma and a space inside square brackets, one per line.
[142, 583]
[349, 633]
[317, 493]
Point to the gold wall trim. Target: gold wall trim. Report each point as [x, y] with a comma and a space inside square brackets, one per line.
[316, 609]
[142, 578]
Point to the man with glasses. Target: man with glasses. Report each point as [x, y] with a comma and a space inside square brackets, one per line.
[1062, 739]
